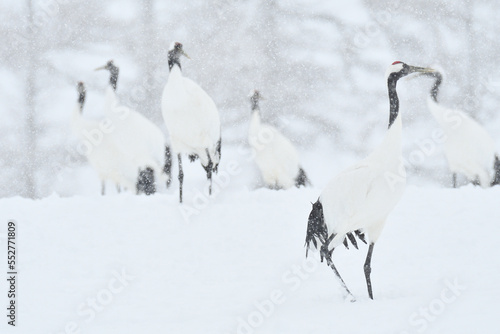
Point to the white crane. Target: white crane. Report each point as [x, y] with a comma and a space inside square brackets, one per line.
[468, 147]
[275, 155]
[191, 117]
[359, 199]
[146, 156]
[102, 155]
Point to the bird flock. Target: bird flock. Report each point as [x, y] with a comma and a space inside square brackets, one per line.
[354, 205]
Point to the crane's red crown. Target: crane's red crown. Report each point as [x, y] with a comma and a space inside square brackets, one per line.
[397, 62]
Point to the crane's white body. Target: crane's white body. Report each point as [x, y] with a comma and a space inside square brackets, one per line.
[469, 149]
[191, 117]
[362, 196]
[274, 154]
[140, 140]
[103, 156]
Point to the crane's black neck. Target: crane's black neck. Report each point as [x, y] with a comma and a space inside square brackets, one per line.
[435, 86]
[81, 99]
[113, 78]
[173, 59]
[393, 97]
[255, 103]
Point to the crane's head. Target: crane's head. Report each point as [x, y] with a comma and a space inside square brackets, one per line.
[80, 87]
[113, 72]
[438, 79]
[398, 69]
[110, 66]
[176, 50]
[255, 96]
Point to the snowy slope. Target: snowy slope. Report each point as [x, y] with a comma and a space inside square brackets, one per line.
[217, 272]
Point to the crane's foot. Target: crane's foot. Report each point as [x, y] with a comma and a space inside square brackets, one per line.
[349, 298]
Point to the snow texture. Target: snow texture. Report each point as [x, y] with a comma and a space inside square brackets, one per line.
[238, 265]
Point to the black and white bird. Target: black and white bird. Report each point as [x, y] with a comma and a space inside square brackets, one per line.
[191, 117]
[101, 154]
[468, 147]
[274, 154]
[357, 202]
[146, 156]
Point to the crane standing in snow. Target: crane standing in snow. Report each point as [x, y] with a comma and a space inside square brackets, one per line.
[146, 156]
[469, 148]
[275, 155]
[191, 117]
[102, 156]
[360, 198]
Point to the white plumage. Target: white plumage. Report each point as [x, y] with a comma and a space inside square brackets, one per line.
[274, 154]
[146, 157]
[365, 193]
[191, 117]
[468, 147]
[359, 199]
[99, 148]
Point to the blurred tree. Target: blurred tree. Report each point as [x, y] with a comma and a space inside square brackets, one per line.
[31, 131]
[319, 64]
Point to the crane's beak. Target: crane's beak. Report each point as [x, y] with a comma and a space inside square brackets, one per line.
[185, 54]
[422, 70]
[100, 68]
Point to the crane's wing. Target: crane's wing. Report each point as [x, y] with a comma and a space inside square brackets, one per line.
[200, 100]
[360, 196]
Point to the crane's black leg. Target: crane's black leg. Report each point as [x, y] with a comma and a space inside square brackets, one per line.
[103, 187]
[181, 177]
[118, 188]
[368, 270]
[454, 180]
[208, 169]
[328, 256]
[167, 167]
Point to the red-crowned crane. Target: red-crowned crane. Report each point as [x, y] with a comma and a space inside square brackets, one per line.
[191, 117]
[359, 199]
[274, 154]
[146, 154]
[468, 147]
[102, 156]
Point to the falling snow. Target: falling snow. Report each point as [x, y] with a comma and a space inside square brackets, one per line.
[234, 262]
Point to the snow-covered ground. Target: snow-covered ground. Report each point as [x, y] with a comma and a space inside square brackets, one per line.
[235, 263]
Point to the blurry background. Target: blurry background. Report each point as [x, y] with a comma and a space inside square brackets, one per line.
[320, 65]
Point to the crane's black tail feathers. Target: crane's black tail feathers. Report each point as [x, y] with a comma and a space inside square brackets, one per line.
[301, 179]
[352, 238]
[318, 231]
[167, 167]
[361, 236]
[146, 181]
[316, 227]
[496, 170]
[213, 162]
